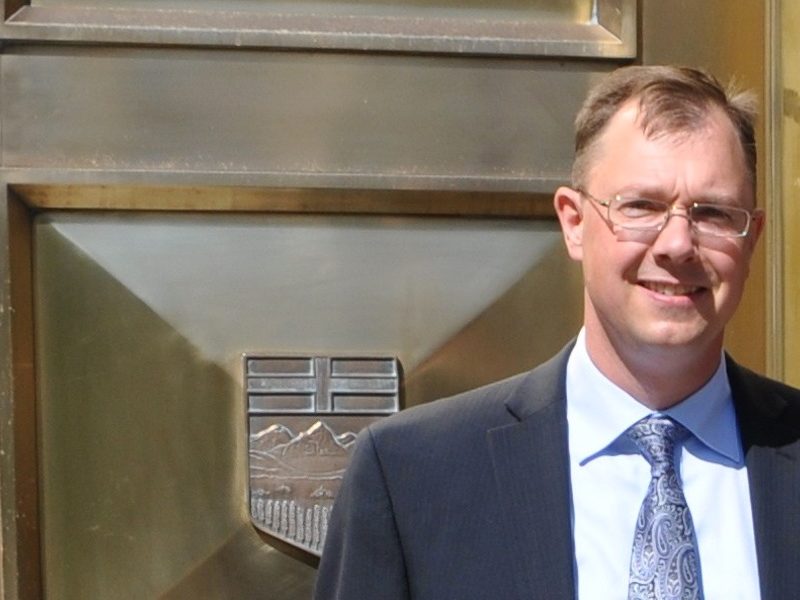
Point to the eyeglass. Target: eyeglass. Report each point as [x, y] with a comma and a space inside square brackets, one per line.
[643, 214]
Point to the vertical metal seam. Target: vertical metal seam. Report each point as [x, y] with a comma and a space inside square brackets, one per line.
[773, 113]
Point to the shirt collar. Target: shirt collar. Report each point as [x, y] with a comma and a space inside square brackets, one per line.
[598, 412]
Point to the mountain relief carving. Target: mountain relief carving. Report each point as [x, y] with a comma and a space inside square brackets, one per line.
[294, 478]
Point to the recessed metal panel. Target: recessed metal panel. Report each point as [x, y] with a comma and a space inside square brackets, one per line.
[582, 28]
[144, 439]
[290, 119]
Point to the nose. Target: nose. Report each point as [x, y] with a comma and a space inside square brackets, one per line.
[675, 242]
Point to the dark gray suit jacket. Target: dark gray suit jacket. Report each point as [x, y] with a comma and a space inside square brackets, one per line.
[469, 497]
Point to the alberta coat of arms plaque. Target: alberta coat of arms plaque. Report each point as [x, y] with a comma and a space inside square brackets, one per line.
[304, 413]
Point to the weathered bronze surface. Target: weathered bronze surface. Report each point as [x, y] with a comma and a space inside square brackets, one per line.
[141, 323]
[577, 28]
[123, 444]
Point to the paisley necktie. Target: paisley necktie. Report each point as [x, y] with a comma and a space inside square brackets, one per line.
[664, 562]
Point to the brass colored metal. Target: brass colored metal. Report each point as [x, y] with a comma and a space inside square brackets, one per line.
[786, 220]
[309, 200]
[12, 6]
[533, 28]
[773, 102]
[313, 120]
[19, 473]
[141, 321]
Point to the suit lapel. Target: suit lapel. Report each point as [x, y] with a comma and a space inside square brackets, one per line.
[772, 451]
[531, 466]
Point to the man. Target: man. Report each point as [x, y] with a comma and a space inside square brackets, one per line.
[640, 462]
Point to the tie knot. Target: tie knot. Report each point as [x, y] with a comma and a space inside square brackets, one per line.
[655, 436]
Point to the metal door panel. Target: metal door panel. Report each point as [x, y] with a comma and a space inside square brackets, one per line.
[206, 105]
[576, 28]
[291, 119]
[141, 323]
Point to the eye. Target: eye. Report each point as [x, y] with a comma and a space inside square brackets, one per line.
[714, 215]
[638, 208]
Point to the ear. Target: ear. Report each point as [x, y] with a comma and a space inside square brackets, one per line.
[567, 203]
[756, 227]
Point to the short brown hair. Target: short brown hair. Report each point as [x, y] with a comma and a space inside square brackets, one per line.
[671, 100]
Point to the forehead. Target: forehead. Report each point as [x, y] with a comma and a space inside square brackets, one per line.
[705, 160]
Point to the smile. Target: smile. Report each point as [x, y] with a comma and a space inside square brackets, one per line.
[671, 289]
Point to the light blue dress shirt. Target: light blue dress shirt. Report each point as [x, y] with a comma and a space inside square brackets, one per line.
[609, 480]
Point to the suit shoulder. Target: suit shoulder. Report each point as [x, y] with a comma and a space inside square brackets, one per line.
[480, 408]
[757, 382]
[772, 405]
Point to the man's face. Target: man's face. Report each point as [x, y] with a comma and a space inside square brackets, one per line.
[673, 289]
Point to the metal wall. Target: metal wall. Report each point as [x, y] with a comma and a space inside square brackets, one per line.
[184, 182]
[787, 143]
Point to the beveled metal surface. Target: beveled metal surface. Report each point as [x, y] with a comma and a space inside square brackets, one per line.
[19, 481]
[43, 196]
[291, 119]
[580, 28]
[788, 86]
[142, 320]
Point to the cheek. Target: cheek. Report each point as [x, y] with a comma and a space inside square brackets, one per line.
[607, 270]
[727, 256]
[607, 260]
[730, 272]
[598, 243]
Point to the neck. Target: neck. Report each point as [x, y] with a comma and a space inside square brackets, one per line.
[657, 376]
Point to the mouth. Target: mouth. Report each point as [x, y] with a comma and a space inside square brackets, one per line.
[671, 289]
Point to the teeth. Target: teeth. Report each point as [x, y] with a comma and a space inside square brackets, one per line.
[670, 289]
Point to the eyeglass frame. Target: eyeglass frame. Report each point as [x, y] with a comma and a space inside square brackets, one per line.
[669, 212]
